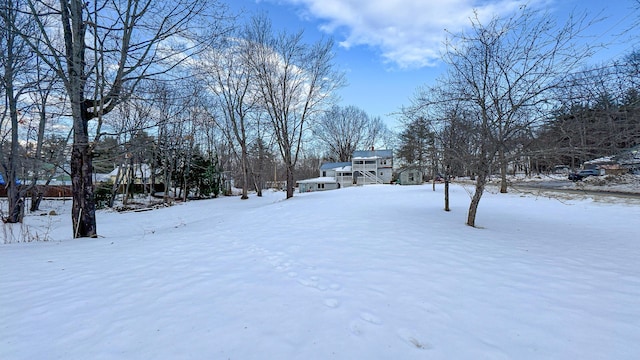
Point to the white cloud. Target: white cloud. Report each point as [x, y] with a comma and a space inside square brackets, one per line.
[408, 33]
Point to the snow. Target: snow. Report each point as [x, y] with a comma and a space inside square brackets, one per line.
[374, 272]
[322, 179]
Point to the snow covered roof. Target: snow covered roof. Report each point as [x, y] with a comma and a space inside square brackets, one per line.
[627, 157]
[344, 168]
[601, 160]
[373, 154]
[319, 180]
[334, 165]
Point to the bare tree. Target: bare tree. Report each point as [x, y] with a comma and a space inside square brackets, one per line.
[501, 73]
[47, 106]
[108, 47]
[16, 60]
[343, 130]
[295, 80]
[232, 79]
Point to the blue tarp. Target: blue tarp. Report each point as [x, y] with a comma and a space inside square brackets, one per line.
[3, 183]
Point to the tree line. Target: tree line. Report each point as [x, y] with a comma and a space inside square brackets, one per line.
[200, 96]
[186, 88]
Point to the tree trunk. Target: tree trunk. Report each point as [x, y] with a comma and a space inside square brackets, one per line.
[446, 193]
[290, 184]
[16, 207]
[256, 184]
[503, 171]
[245, 172]
[16, 204]
[36, 198]
[83, 210]
[481, 181]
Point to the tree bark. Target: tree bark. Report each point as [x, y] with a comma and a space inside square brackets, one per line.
[503, 171]
[446, 189]
[290, 184]
[481, 181]
[245, 171]
[83, 211]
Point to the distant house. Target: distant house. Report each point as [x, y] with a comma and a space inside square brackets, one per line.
[627, 161]
[410, 176]
[630, 159]
[366, 167]
[318, 184]
[372, 167]
[141, 174]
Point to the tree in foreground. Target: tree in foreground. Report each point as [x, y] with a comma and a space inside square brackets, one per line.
[108, 48]
[501, 75]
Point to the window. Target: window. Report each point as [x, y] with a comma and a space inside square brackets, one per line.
[324, 173]
[320, 186]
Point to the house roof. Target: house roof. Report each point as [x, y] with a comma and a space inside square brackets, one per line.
[373, 154]
[334, 165]
[343, 168]
[410, 167]
[319, 180]
[629, 156]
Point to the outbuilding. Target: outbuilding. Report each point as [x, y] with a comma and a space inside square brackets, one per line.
[410, 176]
[318, 184]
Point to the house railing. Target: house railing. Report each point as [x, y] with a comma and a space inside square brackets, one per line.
[369, 178]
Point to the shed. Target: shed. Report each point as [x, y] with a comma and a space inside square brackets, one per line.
[615, 169]
[410, 176]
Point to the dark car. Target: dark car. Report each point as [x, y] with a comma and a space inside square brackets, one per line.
[583, 174]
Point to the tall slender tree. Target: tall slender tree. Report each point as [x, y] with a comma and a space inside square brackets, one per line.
[15, 60]
[296, 82]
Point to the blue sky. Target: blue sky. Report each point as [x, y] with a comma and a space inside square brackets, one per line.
[388, 48]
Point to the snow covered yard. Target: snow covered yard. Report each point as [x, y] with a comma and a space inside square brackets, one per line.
[377, 272]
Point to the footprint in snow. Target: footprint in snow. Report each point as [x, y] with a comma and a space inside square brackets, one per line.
[331, 303]
[412, 339]
[366, 319]
[370, 318]
[313, 283]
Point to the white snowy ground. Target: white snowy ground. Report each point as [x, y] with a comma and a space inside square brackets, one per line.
[377, 272]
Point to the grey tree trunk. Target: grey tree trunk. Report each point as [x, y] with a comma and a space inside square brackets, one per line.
[11, 57]
[503, 171]
[481, 181]
[290, 184]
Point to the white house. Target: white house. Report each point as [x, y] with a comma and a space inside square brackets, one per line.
[366, 167]
[372, 167]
